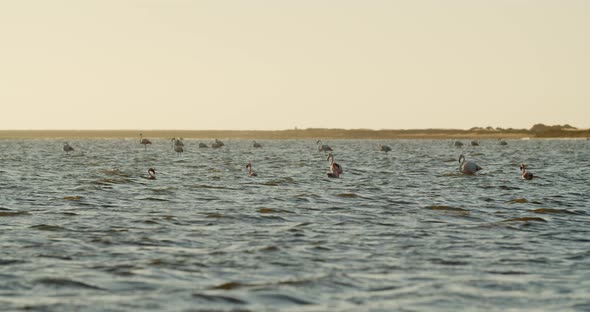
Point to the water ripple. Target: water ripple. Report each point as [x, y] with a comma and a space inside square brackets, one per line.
[399, 231]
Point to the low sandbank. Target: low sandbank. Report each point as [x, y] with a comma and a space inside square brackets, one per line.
[442, 134]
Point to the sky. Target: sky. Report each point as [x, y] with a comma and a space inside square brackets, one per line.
[273, 65]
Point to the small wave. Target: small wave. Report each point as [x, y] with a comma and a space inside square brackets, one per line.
[526, 219]
[216, 215]
[230, 286]
[13, 213]
[10, 261]
[271, 210]
[206, 186]
[115, 172]
[518, 201]
[286, 299]
[154, 199]
[60, 257]
[274, 218]
[550, 210]
[448, 262]
[72, 197]
[48, 227]
[217, 298]
[448, 208]
[60, 282]
[507, 272]
[348, 195]
[278, 182]
[108, 181]
[523, 201]
[270, 248]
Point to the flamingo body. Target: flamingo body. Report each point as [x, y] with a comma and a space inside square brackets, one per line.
[335, 168]
[177, 145]
[217, 144]
[468, 167]
[68, 148]
[323, 147]
[525, 175]
[143, 141]
[251, 172]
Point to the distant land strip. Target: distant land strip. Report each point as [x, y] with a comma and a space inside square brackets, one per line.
[310, 133]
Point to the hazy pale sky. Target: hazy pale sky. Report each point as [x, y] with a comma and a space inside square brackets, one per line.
[272, 64]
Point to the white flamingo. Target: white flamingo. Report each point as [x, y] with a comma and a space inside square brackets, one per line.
[335, 168]
[384, 148]
[468, 167]
[251, 172]
[256, 145]
[68, 148]
[525, 175]
[323, 147]
[143, 141]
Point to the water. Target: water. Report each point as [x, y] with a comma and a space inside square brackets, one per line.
[400, 231]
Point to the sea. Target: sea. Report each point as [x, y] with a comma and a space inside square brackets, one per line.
[398, 231]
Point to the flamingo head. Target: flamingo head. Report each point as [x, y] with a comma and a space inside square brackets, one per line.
[249, 165]
[461, 157]
[522, 167]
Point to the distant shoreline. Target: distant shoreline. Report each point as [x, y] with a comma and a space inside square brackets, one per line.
[442, 134]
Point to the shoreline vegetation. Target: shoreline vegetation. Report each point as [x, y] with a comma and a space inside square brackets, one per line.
[537, 131]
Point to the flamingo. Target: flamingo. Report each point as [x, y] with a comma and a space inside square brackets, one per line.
[203, 145]
[335, 168]
[68, 148]
[468, 167]
[502, 142]
[256, 145]
[178, 145]
[323, 147]
[143, 141]
[251, 173]
[384, 148]
[458, 143]
[474, 143]
[525, 175]
[217, 144]
[151, 174]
